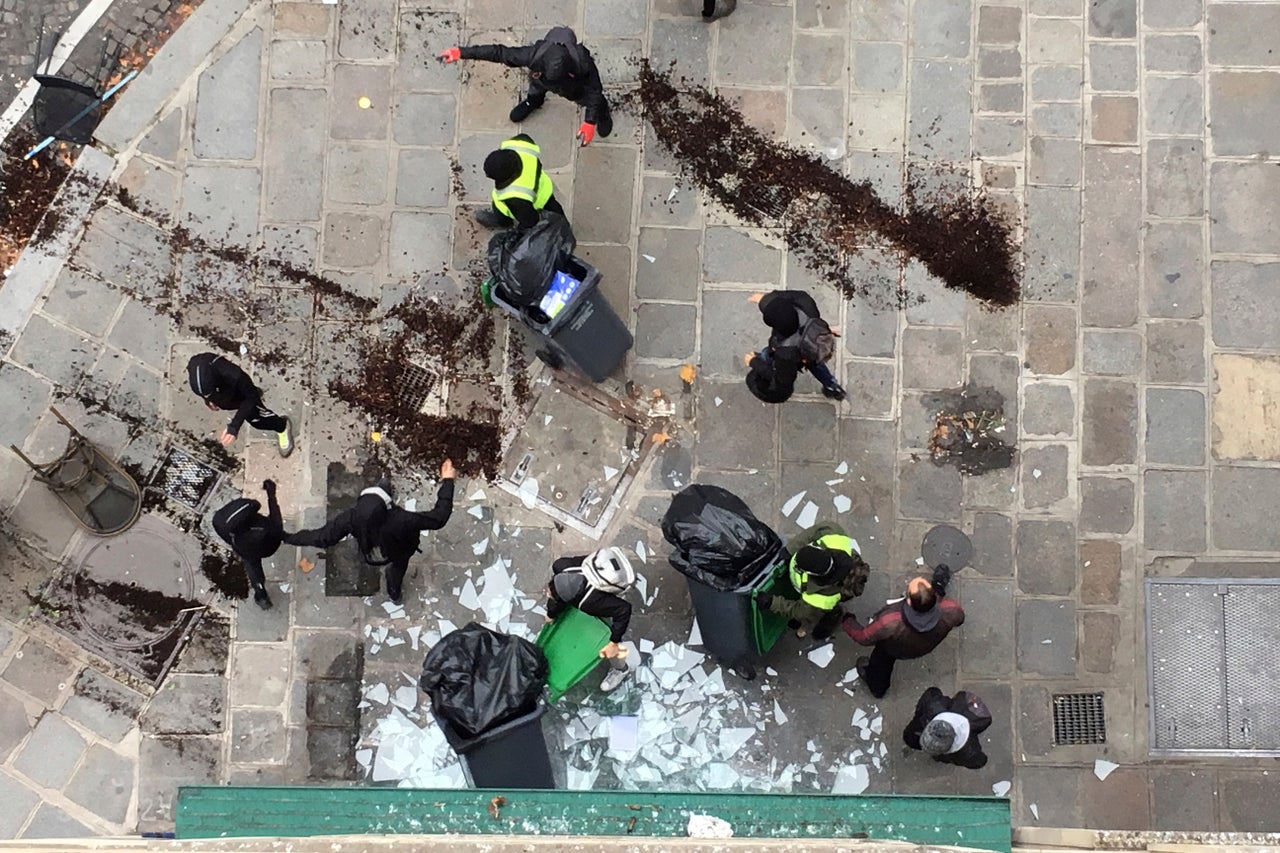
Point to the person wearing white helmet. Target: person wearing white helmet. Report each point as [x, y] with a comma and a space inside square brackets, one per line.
[595, 584]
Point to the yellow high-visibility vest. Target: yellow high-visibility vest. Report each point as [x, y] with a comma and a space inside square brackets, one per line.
[832, 542]
[532, 185]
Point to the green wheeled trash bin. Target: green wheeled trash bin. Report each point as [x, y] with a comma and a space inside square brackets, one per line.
[728, 557]
[486, 693]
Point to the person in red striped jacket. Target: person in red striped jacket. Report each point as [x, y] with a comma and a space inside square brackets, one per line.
[906, 629]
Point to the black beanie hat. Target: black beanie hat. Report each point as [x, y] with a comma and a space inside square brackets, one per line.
[781, 317]
[553, 64]
[502, 166]
[814, 561]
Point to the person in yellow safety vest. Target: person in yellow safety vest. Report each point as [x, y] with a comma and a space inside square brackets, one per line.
[826, 572]
[520, 188]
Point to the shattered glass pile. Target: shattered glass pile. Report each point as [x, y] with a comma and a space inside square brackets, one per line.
[680, 721]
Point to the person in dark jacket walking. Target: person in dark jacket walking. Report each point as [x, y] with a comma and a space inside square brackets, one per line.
[386, 534]
[948, 729]
[907, 629]
[252, 536]
[224, 386]
[709, 7]
[595, 583]
[557, 63]
[796, 325]
[520, 187]
[772, 374]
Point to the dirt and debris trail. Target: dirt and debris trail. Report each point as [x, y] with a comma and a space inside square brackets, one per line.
[961, 237]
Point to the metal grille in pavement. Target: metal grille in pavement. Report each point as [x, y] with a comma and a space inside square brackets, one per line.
[1214, 675]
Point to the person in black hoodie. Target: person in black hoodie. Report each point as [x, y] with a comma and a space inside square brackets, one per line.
[558, 63]
[252, 536]
[224, 386]
[595, 583]
[788, 313]
[948, 729]
[772, 374]
[386, 534]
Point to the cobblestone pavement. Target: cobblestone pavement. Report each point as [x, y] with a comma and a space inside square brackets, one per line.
[1135, 145]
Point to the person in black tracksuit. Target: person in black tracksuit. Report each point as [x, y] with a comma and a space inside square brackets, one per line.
[948, 729]
[557, 63]
[224, 386]
[387, 535]
[773, 379]
[252, 536]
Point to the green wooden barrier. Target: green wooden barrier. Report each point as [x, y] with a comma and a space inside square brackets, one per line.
[216, 812]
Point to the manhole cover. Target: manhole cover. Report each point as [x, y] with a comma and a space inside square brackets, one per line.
[1214, 683]
[948, 546]
[128, 598]
[1079, 718]
[185, 479]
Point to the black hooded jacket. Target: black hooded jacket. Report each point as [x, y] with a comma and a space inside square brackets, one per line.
[799, 300]
[224, 384]
[384, 534]
[774, 381]
[602, 605]
[581, 84]
[250, 533]
[933, 703]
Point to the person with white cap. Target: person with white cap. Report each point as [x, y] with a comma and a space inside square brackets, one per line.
[595, 583]
[948, 729]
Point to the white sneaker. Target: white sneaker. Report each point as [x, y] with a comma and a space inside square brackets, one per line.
[613, 679]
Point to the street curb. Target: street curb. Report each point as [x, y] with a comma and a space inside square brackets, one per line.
[41, 262]
[167, 72]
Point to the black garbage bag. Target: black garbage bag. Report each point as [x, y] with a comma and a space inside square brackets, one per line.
[525, 260]
[718, 540]
[479, 679]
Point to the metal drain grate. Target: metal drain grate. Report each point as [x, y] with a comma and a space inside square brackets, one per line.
[185, 479]
[1079, 718]
[414, 386]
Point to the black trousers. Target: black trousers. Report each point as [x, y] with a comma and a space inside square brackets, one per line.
[394, 573]
[538, 94]
[879, 672]
[265, 419]
[708, 8]
[253, 568]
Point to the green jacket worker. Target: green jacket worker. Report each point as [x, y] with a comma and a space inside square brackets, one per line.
[824, 574]
[521, 189]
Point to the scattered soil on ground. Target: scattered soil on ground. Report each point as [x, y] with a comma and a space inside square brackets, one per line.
[961, 237]
[27, 188]
[224, 570]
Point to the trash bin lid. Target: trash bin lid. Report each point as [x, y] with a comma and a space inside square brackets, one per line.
[946, 545]
[572, 644]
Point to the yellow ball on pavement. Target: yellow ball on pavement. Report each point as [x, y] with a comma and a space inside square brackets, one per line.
[364, 102]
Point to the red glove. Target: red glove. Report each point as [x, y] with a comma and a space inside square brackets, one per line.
[586, 133]
[453, 54]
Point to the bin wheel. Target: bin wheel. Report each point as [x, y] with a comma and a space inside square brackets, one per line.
[549, 358]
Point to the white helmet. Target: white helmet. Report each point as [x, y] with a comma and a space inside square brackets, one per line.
[608, 570]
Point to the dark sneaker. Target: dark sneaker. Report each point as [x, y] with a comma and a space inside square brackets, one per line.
[834, 392]
[261, 598]
[397, 599]
[523, 110]
[284, 439]
[723, 8]
[861, 665]
[490, 218]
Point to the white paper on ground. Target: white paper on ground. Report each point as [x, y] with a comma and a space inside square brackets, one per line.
[808, 515]
[642, 552]
[1103, 768]
[823, 655]
[843, 503]
[1001, 788]
[790, 506]
[842, 468]
[708, 826]
[1035, 811]
[624, 734]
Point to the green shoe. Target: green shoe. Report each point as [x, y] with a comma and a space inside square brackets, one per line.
[284, 439]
